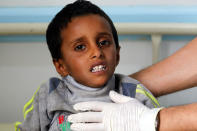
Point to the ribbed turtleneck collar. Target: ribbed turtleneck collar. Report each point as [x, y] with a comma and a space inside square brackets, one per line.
[69, 80]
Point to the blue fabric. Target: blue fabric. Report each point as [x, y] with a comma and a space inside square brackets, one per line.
[53, 84]
[129, 89]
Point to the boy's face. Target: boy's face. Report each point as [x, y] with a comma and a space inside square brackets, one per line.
[88, 50]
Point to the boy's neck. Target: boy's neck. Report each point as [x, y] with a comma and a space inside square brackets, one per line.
[72, 81]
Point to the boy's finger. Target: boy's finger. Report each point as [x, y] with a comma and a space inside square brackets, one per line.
[90, 106]
[87, 127]
[86, 117]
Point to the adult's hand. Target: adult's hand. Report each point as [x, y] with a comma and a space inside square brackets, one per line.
[125, 114]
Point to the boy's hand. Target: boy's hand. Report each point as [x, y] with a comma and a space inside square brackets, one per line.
[126, 114]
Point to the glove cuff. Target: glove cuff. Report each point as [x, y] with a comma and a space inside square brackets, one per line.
[148, 120]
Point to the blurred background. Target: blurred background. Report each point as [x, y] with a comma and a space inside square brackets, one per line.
[25, 61]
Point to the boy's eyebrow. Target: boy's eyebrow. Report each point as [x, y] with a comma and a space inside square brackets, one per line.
[82, 38]
[104, 33]
[77, 40]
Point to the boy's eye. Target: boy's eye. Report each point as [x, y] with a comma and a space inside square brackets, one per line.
[103, 43]
[80, 47]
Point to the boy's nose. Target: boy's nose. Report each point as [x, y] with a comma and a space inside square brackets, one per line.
[96, 52]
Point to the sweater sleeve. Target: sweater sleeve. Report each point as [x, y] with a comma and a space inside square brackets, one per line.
[146, 97]
[31, 115]
[35, 113]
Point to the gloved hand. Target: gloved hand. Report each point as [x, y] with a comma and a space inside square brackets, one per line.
[126, 114]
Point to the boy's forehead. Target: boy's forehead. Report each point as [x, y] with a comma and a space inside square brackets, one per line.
[82, 22]
[92, 17]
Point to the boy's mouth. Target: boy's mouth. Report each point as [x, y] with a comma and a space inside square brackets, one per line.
[98, 68]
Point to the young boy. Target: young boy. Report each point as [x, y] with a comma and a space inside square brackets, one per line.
[84, 46]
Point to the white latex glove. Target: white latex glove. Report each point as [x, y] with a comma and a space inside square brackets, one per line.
[126, 114]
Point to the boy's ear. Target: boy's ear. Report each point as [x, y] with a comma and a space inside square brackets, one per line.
[117, 55]
[60, 67]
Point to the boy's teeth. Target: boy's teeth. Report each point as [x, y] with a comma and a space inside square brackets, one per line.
[98, 68]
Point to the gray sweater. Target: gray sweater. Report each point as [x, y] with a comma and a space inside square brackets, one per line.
[52, 103]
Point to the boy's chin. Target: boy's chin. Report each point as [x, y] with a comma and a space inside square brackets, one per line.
[100, 85]
[98, 82]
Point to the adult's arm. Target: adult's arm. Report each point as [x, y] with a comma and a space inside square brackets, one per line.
[176, 72]
[179, 118]
[128, 114]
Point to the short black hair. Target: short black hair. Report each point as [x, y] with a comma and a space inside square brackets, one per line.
[64, 16]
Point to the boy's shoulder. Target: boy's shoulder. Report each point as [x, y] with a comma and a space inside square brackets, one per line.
[50, 85]
[133, 88]
[126, 85]
[125, 79]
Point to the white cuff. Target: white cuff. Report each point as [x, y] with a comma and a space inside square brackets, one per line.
[148, 119]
